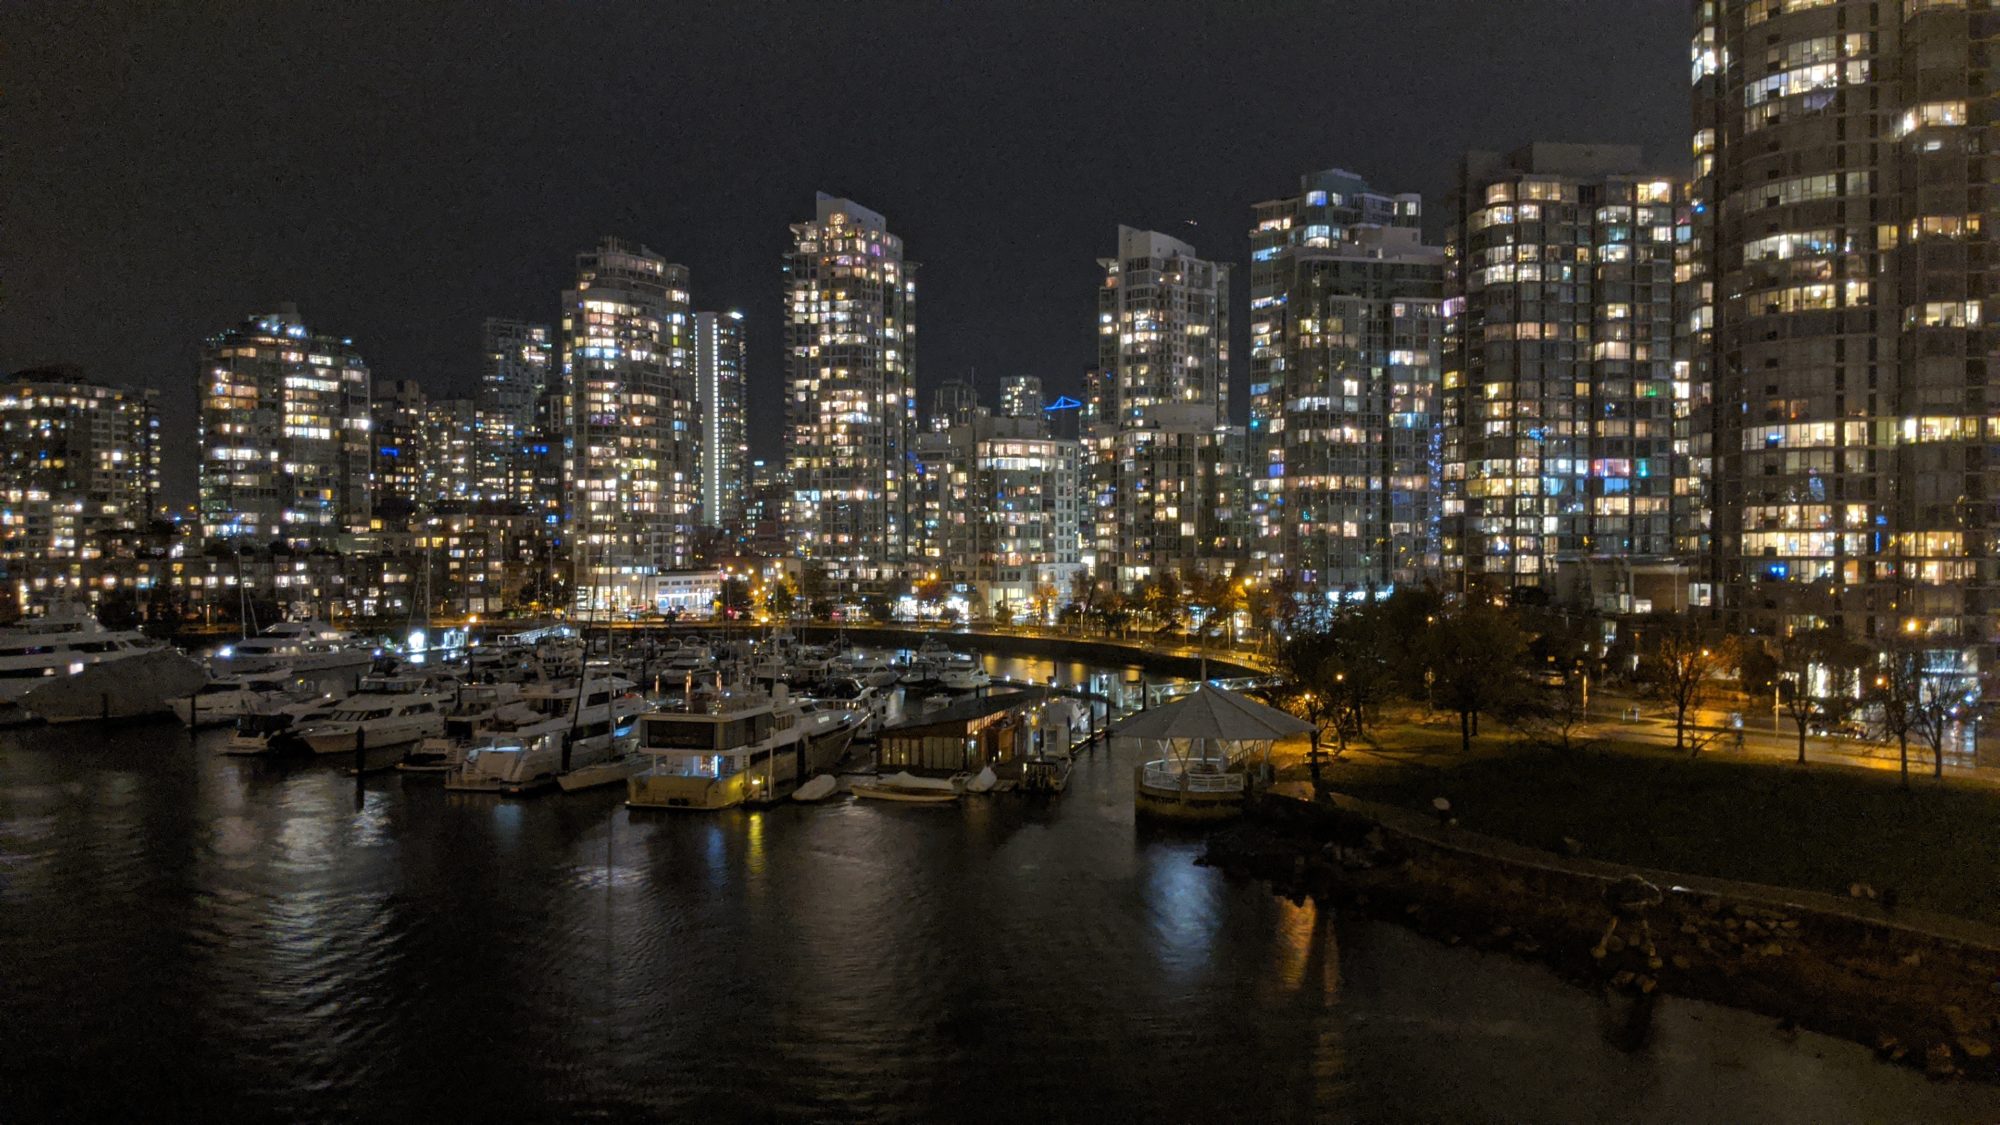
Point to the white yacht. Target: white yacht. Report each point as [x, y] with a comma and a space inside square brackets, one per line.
[692, 659]
[522, 748]
[736, 747]
[223, 701]
[387, 711]
[295, 647]
[475, 710]
[272, 727]
[961, 672]
[861, 661]
[63, 643]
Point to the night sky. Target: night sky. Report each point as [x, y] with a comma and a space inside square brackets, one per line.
[403, 170]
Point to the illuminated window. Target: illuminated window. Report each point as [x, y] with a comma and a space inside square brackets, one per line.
[1930, 115]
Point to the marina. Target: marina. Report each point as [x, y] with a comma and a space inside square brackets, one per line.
[351, 932]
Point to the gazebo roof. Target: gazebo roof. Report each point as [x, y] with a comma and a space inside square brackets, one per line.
[1215, 714]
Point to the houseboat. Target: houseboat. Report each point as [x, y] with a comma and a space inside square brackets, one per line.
[736, 747]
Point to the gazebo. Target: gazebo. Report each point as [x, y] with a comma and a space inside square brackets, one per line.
[1206, 742]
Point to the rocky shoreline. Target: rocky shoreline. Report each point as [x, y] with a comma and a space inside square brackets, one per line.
[1916, 998]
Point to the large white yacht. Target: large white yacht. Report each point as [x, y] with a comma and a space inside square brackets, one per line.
[63, 643]
[521, 747]
[476, 711]
[736, 747]
[296, 647]
[387, 711]
[222, 701]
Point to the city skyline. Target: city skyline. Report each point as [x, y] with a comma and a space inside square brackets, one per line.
[1006, 186]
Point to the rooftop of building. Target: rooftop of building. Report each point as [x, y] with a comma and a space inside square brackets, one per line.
[1546, 158]
[969, 710]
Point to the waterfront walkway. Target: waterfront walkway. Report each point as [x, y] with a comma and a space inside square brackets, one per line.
[1428, 830]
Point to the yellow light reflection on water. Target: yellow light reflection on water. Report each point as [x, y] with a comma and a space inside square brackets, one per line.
[1308, 952]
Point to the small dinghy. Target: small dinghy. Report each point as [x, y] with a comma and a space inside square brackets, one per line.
[908, 788]
[817, 789]
[983, 781]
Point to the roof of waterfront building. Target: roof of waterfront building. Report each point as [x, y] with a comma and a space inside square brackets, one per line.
[970, 710]
[1216, 714]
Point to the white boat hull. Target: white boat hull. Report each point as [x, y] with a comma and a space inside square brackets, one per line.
[342, 741]
[613, 772]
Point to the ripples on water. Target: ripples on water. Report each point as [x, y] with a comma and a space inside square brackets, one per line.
[184, 935]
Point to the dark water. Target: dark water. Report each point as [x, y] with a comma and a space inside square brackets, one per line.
[187, 936]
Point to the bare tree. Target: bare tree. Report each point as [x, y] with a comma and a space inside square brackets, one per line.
[1931, 721]
[1682, 668]
[1898, 696]
[1823, 656]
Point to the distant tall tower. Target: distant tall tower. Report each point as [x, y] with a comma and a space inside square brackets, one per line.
[1844, 197]
[628, 368]
[1159, 444]
[720, 387]
[1562, 389]
[1021, 397]
[850, 338]
[1347, 331]
[953, 403]
[518, 359]
[285, 445]
[400, 411]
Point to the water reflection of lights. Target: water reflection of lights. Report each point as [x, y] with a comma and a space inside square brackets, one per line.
[753, 863]
[371, 822]
[715, 851]
[507, 822]
[617, 877]
[1180, 899]
[1300, 940]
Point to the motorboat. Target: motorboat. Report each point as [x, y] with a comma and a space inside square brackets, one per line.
[861, 661]
[63, 643]
[531, 761]
[272, 727]
[387, 711]
[475, 708]
[964, 679]
[825, 719]
[813, 662]
[692, 659]
[221, 702]
[920, 672]
[555, 730]
[737, 747]
[294, 647]
[907, 788]
[615, 770]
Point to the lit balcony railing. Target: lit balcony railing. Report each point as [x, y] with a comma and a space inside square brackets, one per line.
[1173, 775]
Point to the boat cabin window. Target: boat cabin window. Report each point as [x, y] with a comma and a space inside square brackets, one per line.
[715, 765]
[416, 709]
[681, 734]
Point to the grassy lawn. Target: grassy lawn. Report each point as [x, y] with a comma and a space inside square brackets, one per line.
[1819, 828]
